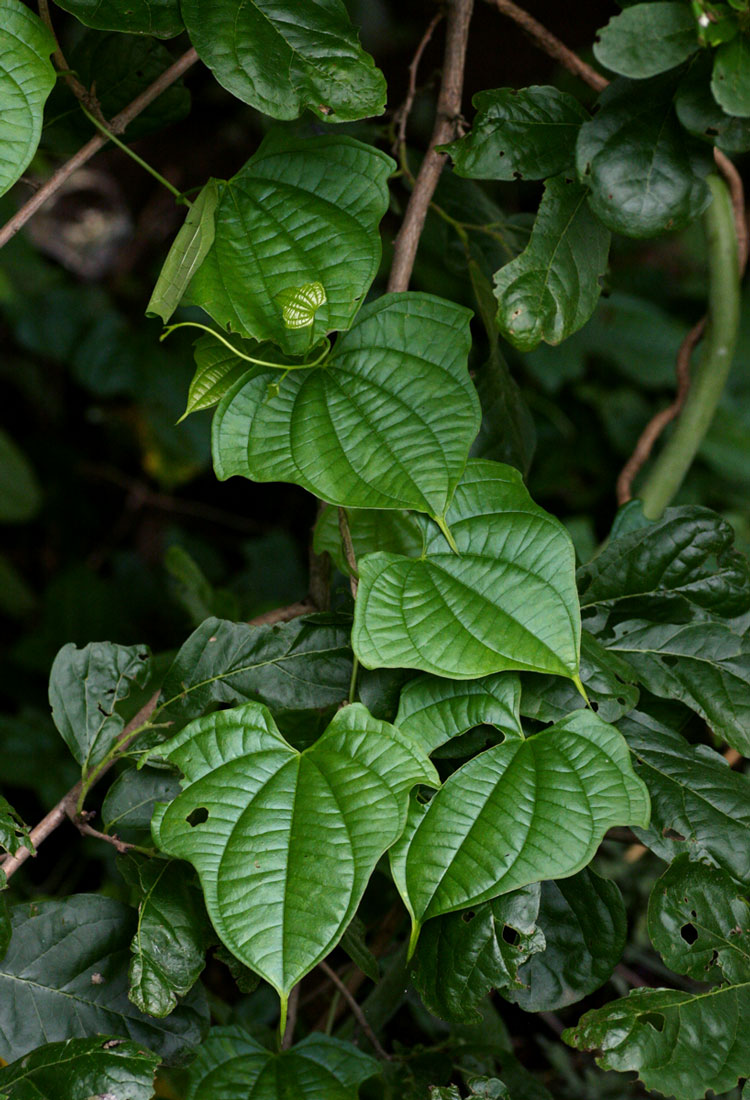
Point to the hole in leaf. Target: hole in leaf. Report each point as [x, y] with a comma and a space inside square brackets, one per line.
[689, 933]
[468, 916]
[197, 816]
[620, 701]
[713, 960]
[671, 834]
[669, 660]
[654, 1020]
[510, 935]
[594, 705]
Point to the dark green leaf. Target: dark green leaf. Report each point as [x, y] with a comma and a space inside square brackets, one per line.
[129, 802]
[26, 79]
[284, 842]
[13, 832]
[647, 39]
[500, 821]
[247, 980]
[189, 249]
[584, 925]
[731, 77]
[645, 172]
[283, 57]
[551, 289]
[65, 975]
[700, 806]
[528, 133]
[385, 422]
[172, 936]
[311, 208]
[234, 1066]
[513, 570]
[699, 112]
[462, 956]
[432, 709]
[82, 1069]
[20, 493]
[392, 531]
[161, 18]
[299, 665]
[353, 942]
[85, 686]
[689, 553]
[5, 928]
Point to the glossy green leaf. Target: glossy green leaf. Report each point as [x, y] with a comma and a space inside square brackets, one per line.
[172, 935]
[647, 39]
[699, 112]
[234, 1066]
[216, 371]
[85, 686]
[160, 18]
[700, 806]
[299, 665]
[65, 975]
[20, 493]
[518, 813]
[301, 211]
[689, 553]
[189, 249]
[129, 802]
[730, 83]
[392, 531]
[684, 1043]
[584, 926]
[702, 664]
[26, 79]
[13, 832]
[551, 289]
[285, 842]
[82, 1069]
[609, 682]
[646, 174]
[506, 601]
[462, 956]
[529, 133]
[432, 710]
[385, 422]
[283, 57]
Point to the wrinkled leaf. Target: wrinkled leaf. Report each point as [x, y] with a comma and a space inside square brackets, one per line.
[518, 813]
[392, 531]
[26, 79]
[14, 834]
[189, 250]
[551, 289]
[161, 18]
[506, 601]
[85, 686]
[647, 39]
[172, 935]
[462, 956]
[301, 211]
[216, 371]
[730, 83]
[528, 133]
[385, 422]
[646, 174]
[82, 1069]
[65, 975]
[285, 842]
[432, 710]
[281, 57]
[235, 1066]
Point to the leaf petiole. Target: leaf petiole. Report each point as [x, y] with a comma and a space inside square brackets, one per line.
[241, 354]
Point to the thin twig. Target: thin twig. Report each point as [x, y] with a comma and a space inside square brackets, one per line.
[447, 116]
[402, 115]
[86, 829]
[82, 94]
[117, 125]
[291, 1017]
[551, 44]
[357, 1012]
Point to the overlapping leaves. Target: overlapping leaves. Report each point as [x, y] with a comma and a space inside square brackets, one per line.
[432, 709]
[82, 1069]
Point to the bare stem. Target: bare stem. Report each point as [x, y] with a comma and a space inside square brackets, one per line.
[402, 115]
[82, 94]
[448, 114]
[356, 1010]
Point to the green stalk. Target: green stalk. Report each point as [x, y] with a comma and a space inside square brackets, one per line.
[717, 350]
[134, 156]
[286, 367]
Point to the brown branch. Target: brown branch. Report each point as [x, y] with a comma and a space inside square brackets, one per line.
[82, 94]
[448, 113]
[81, 823]
[351, 557]
[733, 181]
[402, 115]
[551, 44]
[117, 125]
[357, 1012]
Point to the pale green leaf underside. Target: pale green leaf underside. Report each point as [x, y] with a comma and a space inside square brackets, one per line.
[551, 289]
[301, 211]
[385, 422]
[281, 57]
[189, 250]
[291, 839]
[521, 812]
[432, 710]
[26, 79]
[506, 601]
[217, 369]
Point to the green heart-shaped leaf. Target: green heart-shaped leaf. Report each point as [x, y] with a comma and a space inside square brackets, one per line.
[385, 422]
[285, 842]
[506, 600]
[26, 79]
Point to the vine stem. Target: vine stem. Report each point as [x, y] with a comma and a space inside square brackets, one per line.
[448, 113]
[104, 129]
[673, 463]
[117, 125]
[241, 354]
